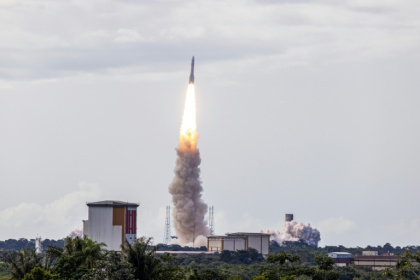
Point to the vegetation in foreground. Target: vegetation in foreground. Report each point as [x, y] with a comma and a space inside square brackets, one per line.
[81, 258]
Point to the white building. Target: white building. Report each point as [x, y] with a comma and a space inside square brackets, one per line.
[369, 253]
[239, 241]
[339, 255]
[111, 222]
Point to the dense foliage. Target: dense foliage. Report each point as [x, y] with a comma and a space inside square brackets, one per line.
[22, 243]
[83, 259]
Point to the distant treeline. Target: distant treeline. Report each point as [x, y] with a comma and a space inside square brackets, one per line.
[307, 253]
[174, 247]
[19, 244]
[293, 247]
[90, 261]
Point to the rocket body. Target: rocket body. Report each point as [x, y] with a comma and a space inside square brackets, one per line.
[191, 81]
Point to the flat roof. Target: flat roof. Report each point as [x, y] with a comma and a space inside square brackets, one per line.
[248, 234]
[226, 237]
[376, 257]
[184, 252]
[112, 203]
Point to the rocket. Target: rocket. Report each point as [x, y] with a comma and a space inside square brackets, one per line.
[192, 72]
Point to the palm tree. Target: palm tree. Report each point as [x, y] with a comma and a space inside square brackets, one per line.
[84, 250]
[145, 265]
[92, 251]
[23, 262]
[51, 256]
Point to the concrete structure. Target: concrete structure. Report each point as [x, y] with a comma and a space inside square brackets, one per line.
[341, 258]
[38, 245]
[239, 241]
[368, 258]
[184, 253]
[339, 255]
[376, 262]
[289, 217]
[369, 253]
[111, 222]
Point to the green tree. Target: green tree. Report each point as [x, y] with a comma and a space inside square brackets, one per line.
[209, 274]
[112, 266]
[22, 262]
[91, 251]
[241, 256]
[146, 266]
[76, 259]
[4, 270]
[39, 273]
[407, 267]
[51, 256]
[325, 270]
[281, 266]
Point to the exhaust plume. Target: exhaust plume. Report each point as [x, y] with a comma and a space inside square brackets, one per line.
[294, 231]
[189, 209]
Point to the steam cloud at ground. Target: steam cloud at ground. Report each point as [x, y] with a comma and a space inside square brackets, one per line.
[294, 231]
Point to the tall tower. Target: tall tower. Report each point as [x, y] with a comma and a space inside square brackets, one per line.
[38, 245]
[167, 233]
[211, 220]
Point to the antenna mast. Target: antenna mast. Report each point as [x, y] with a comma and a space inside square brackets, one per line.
[167, 233]
[211, 219]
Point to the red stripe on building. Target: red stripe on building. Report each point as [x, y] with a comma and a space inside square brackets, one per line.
[135, 221]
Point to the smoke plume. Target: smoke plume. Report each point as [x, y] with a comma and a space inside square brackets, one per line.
[189, 209]
[78, 232]
[294, 231]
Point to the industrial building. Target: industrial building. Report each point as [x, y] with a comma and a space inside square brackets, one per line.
[376, 261]
[341, 258]
[368, 258]
[239, 241]
[111, 222]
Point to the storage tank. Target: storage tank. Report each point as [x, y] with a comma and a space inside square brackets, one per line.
[289, 217]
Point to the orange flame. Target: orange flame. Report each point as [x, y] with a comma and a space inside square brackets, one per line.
[188, 133]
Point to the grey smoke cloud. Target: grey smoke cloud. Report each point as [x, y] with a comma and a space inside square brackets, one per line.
[189, 208]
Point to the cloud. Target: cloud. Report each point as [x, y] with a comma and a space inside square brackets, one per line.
[402, 227]
[5, 85]
[337, 225]
[62, 211]
[225, 224]
[127, 36]
[321, 31]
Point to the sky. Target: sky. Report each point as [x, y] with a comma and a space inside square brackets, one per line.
[303, 107]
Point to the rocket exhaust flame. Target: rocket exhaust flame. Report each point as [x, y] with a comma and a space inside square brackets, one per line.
[188, 132]
[189, 208]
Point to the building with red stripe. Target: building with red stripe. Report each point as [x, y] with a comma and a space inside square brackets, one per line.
[111, 222]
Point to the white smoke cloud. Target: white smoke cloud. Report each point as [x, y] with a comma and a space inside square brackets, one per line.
[294, 231]
[78, 232]
[199, 241]
[127, 36]
[63, 211]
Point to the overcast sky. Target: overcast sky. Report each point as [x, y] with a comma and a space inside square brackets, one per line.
[304, 107]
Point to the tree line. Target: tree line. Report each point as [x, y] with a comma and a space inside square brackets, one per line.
[82, 258]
